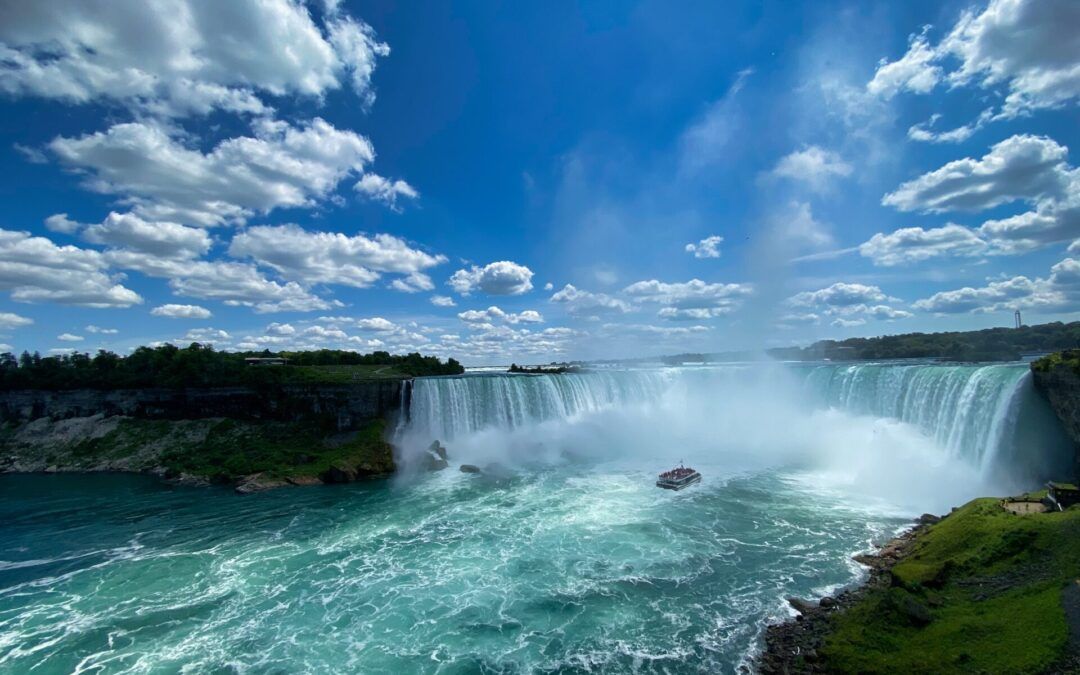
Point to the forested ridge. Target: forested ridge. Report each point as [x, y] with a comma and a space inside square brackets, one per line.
[199, 365]
[990, 344]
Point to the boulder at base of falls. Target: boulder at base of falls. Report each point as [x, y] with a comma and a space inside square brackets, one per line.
[258, 482]
[470, 468]
[802, 606]
[434, 458]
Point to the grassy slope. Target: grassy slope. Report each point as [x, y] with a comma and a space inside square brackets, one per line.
[341, 374]
[229, 449]
[992, 582]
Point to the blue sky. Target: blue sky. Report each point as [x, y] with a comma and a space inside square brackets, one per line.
[533, 181]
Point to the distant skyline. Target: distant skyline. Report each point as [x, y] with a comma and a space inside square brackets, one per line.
[530, 182]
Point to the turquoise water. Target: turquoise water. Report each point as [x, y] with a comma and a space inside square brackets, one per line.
[563, 557]
[551, 571]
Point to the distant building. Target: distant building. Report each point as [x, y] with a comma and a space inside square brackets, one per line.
[1063, 494]
[267, 361]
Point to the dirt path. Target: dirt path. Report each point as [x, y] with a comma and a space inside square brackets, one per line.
[1070, 602]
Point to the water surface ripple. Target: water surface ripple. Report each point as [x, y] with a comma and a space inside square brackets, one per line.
[555, 569]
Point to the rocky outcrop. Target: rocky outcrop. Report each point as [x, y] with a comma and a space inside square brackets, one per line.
[791, 647]
[251, 456]
[1056, 377]
[435, 457]
[343, 406]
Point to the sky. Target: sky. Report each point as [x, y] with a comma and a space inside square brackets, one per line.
[533, 181]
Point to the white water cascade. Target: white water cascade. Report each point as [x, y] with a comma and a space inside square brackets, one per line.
[987, 416]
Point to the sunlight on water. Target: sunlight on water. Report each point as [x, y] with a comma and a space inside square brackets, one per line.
[562, 557]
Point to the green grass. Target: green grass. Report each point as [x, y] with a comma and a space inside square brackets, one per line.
[1012, 623]
[230, 448]
[344, 374]
[280, 450]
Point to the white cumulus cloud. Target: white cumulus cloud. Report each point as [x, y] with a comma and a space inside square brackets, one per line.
[498, 278]
[173, 311]
[709, 247]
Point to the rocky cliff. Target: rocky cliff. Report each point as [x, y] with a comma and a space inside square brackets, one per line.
[342, 406]
[1057, 377]
[254, 439]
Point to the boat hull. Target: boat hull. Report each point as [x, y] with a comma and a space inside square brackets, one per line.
[679, 484]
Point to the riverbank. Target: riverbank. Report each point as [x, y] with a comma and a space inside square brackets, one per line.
[982, 590]
[250, 455]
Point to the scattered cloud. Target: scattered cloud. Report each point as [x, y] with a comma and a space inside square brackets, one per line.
[494, 314]
[335, 258]
[851, 304]
[588, 304]
[814, 166]
[206, 335]
[8, 321]
[386, 191]
[694, 299]
[1022, 167]
[915, 244]
[68, 337]
[98, 330]
[1059, 292]
[709, 247]
[839, 294]
[163, 179]
[34, 269]
[192, 59]
[182, 312]
[497, 278]
[443, 301]
[241, 285]
[164, 239]
[1027, 49]
[59, 222]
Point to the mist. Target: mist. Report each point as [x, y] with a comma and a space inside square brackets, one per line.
[725, 422]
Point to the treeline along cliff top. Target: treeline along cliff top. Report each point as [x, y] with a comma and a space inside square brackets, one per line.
[991, 344]
[200, 365]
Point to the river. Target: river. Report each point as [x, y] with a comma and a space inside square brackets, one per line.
[563, 556]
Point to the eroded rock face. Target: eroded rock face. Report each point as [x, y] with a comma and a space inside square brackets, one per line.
[470, 468]
[1061, 387]
[347, 406]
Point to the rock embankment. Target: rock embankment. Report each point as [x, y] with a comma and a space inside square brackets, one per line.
[251, 456]
[791, 648]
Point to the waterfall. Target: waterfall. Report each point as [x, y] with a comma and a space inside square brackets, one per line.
[965, 408]
[988, 416]
[446, 407]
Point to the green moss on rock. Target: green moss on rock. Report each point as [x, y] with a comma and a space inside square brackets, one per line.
[981, 592]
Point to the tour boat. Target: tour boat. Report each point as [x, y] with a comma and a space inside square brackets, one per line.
[678, 478]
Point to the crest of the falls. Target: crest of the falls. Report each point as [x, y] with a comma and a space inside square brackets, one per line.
[985, 415]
